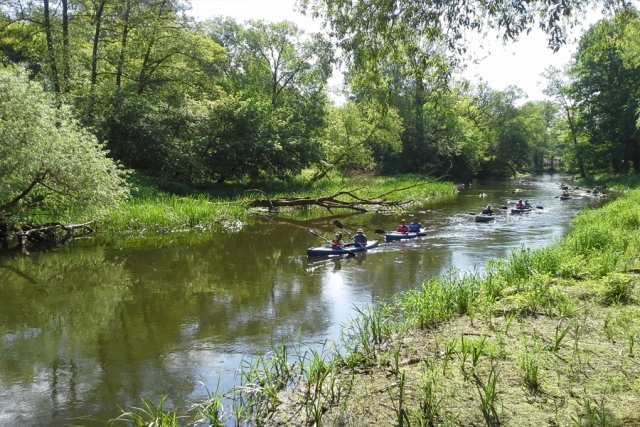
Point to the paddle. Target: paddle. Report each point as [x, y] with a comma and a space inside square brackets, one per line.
[340, 226]
[315, 233]
[539, 207]
[378, 231]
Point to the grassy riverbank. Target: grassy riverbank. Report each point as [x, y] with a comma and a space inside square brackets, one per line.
[547, 337]
[152, 209]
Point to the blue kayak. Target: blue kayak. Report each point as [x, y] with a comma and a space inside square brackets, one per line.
[484, 218]
[397, 235]
[349, 248]
[565, 197]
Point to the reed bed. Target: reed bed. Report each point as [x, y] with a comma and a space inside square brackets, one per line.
[153, 211]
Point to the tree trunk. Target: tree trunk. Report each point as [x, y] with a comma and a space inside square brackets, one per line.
[123, 44]
[52, 56]
[99, 8]
[66, 66]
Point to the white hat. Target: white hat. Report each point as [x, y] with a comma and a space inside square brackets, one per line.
[360, 230]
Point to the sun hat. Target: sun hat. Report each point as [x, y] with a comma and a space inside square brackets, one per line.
[360, 230]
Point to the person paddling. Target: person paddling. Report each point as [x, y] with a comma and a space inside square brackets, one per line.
[415, 225]
[360, 239]
[487, 210]
[337, 241]
[403, 227]
[519, 205]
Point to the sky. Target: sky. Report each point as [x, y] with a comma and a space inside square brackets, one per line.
[518, 64]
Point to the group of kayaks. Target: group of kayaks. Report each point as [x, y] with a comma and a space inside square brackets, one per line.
[352, 248]
[565, 196]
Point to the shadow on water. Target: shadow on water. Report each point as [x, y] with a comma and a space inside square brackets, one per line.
[92, 326]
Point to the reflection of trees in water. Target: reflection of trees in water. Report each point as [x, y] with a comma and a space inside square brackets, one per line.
[53, 311]
[96, 326]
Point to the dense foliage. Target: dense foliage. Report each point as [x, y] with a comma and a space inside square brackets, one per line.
[222, 101]
[47, 160]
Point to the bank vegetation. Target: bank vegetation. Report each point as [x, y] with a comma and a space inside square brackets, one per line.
[546, 337]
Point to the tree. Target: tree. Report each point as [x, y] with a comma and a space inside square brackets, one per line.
[606, 92]
[358, 137]
[370, 29]
[47, 160]
[559, 90]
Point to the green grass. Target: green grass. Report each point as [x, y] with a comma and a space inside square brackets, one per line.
[153, 211]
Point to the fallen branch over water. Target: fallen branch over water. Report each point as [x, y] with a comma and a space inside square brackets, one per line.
[339, 200]
[36, 238]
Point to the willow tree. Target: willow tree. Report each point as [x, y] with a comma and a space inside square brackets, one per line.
[48, 163]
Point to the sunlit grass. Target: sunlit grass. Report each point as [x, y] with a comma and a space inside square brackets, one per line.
[152, 211]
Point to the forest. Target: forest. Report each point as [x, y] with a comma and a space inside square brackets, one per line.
[97, 90]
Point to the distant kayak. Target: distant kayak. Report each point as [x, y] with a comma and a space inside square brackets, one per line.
[564, 187]
[349, 248]
[396, 235]
[565, 197]
[484, 218]
[519, 211]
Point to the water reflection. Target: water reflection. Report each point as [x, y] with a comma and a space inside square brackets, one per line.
[92, 326]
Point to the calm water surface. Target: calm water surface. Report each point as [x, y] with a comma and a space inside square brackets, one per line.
[90, 327]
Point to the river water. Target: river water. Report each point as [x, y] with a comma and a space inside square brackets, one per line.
[93, 326]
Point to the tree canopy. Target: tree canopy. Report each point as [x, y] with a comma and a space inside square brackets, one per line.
[224, 101]
[47, 159]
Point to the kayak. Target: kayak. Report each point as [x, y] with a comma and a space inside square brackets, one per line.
[484, 218]
[564, 187]
[565, 197]
[397, 235]
[349, 248]
[518, 211]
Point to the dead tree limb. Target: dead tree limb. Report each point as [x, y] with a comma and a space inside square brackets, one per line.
[47, 236]
[339, 200]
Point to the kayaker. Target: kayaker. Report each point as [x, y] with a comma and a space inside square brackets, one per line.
[519, 205]
[403, 227]
[565, 193]
[337, 241]
[360, 239]
[487, 210]
[415, 225]
[527, 205]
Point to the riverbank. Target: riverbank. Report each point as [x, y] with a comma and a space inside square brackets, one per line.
[547, 337]
[169, 207]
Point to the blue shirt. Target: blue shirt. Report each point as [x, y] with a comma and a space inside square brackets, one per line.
[415, 227]
[360, 239]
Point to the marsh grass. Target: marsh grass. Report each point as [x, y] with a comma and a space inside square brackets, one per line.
[150, 414]
[162, 208]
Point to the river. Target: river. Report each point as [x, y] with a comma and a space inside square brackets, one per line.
[92, 326]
